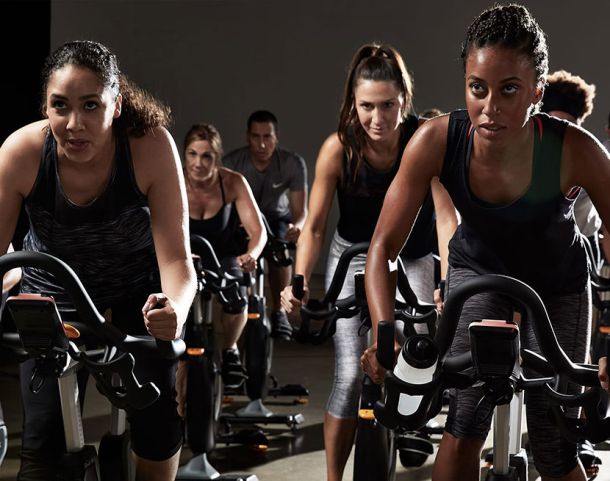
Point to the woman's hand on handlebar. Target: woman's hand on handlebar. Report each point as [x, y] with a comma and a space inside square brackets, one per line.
[292, 233]
[438, 300]
[160, 317]
[291, 303]
[370, 364]
[246, 262]
[603, 373]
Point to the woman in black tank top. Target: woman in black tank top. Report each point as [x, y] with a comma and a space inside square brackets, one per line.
[512, 176]
[219, 199]
[104, 192]
[358, 163]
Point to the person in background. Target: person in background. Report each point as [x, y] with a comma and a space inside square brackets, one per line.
[219, 198]
[278, 179]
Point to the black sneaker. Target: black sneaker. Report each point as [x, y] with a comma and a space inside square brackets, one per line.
[232, 372]
[280, 327]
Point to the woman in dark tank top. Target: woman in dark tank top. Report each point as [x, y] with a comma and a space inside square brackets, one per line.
[358, 164]
[513, 176]
[218, 199]
[100, 179]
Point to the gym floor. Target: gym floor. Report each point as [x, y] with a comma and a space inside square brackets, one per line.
[297, 454]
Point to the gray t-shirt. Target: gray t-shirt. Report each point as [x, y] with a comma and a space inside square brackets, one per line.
[287, 172]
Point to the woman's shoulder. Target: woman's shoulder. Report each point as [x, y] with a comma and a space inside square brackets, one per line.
[158, 137]
[233, 182]
[21, 154]
[24, 146]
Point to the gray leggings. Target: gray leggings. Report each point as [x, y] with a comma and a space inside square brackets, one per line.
[349, 346]
[553, 455]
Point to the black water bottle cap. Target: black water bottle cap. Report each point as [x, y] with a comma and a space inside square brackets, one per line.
[420, 352]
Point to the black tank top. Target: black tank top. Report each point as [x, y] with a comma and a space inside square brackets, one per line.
[108, 242]
[361, 200]
[217, 229]
[533, 238]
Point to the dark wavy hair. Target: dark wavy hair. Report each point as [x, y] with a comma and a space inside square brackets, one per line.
[140, 111]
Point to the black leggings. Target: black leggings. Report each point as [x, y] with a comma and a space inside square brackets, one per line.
[156, 432]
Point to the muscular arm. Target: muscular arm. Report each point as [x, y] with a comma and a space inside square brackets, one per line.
[298, 208]
[328, 170]
[20, 158]
[422, 160]
[158, 167]
[586, 162]
[446, 222]
[249, 215]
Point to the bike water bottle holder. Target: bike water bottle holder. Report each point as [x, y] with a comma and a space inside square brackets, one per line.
[325, 317]
[412, 388]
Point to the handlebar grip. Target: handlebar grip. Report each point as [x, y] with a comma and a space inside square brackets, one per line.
[385, 344]
[298, 286]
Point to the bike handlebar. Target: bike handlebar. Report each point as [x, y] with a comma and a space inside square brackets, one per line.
[276, 250]
[414, 387]
[214, 278]
[133, 394]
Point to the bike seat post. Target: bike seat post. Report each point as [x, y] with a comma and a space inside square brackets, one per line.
[71, 412]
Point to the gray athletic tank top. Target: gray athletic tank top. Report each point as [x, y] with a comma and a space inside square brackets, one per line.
[107, 242]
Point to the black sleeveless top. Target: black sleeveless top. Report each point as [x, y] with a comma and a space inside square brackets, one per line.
[361, 200]
[533, 238]
[218, 230]
[108, 242]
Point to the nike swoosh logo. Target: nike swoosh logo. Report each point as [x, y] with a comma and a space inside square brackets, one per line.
[275, 186]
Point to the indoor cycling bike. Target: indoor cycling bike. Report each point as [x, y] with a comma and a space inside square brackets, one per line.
[258, 348]
[415, 383]
[204, 391]
[376, 447]
[59, 352]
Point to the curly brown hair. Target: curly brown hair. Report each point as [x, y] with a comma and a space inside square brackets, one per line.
[569, 93]
[140, 111]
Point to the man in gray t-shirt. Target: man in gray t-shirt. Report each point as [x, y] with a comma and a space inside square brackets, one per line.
[278, 179]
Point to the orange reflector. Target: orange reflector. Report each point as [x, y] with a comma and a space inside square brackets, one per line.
[301, 401]
[366, 414]
[260, 447]
[227, 399]
[604, 329]
[71, 331]
[254, 315]
[195, 351]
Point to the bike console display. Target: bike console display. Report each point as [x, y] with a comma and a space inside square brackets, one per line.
[495, 348]
[38, 323]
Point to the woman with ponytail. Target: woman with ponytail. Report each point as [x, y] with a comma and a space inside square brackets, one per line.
[358, 163]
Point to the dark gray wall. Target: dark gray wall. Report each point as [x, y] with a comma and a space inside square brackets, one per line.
[218, 60]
